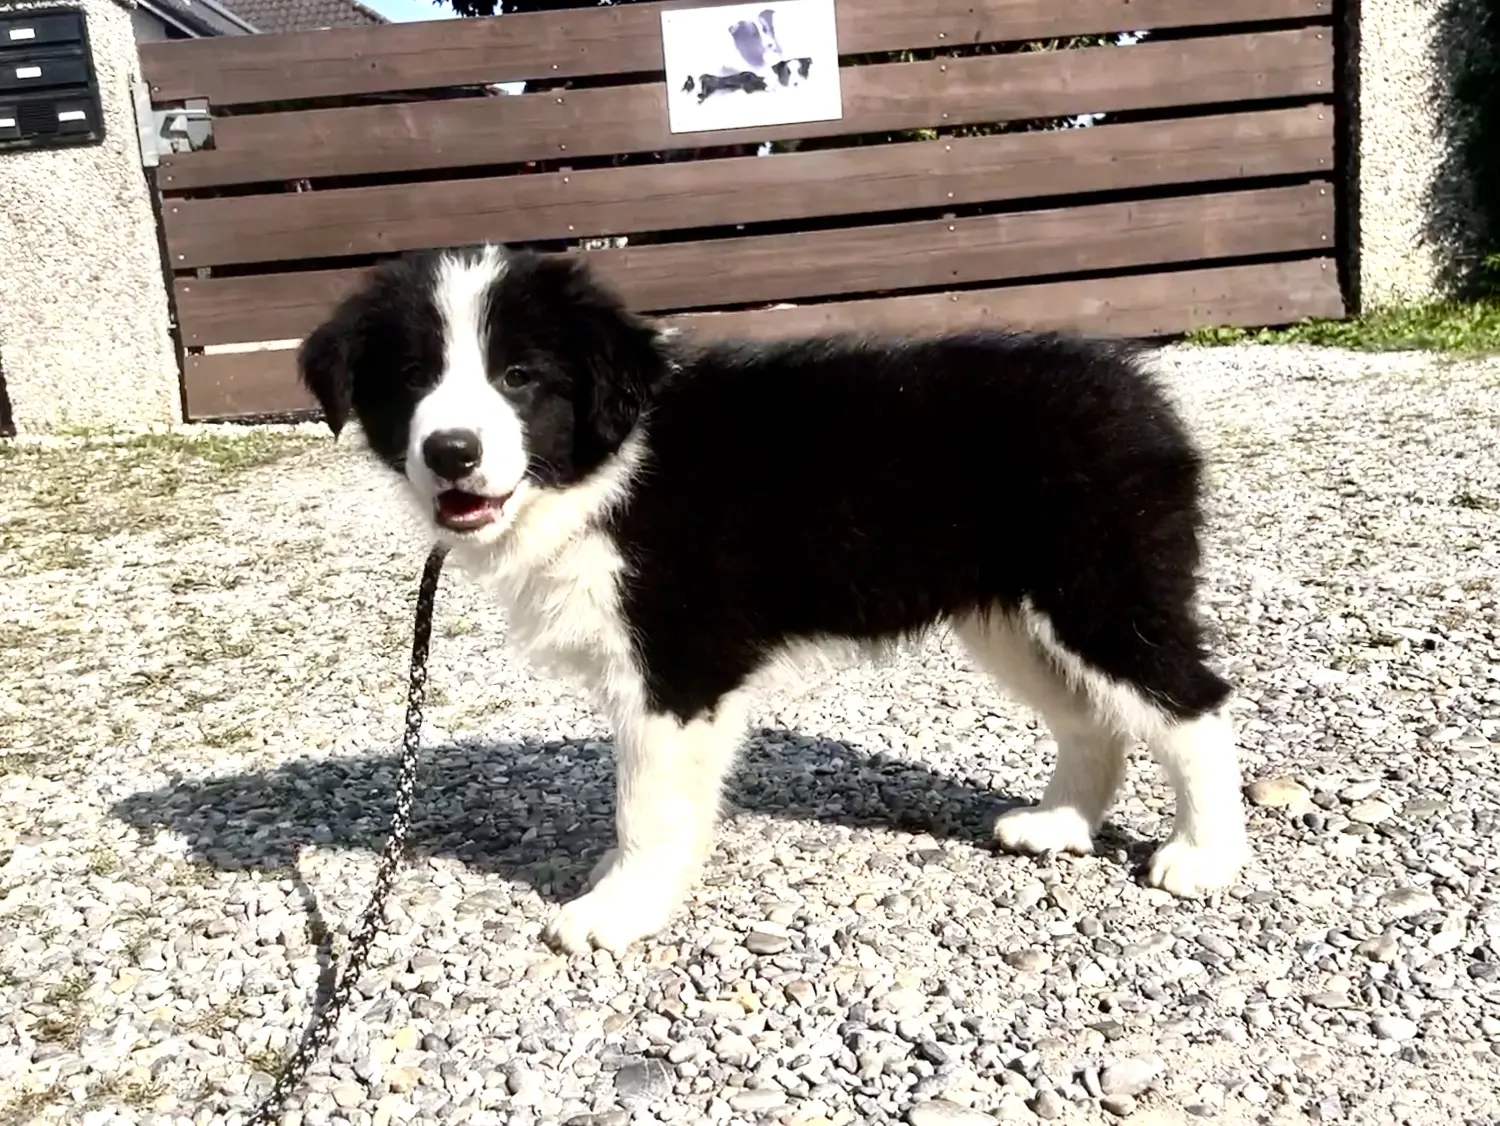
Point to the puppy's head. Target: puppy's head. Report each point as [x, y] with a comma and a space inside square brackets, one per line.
[792, 73]
[755, 40]
[482, 376]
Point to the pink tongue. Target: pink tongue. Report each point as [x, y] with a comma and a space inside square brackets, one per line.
[455, 503]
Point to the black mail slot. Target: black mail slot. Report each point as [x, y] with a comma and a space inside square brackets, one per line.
[49, 93]
[22, 30]
[34, 70]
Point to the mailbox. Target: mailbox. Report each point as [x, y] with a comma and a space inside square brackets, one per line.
[49, 93]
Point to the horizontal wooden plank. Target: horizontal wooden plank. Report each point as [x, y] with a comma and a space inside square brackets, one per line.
[889, 97]
[853, 260]
[706, 193]
[609, 39]
[225, 385]
[1134, 305]
[248, 384]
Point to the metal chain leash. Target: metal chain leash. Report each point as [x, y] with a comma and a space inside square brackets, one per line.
[363, 938]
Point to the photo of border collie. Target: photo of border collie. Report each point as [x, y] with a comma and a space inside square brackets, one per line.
[669, 519]
[751, 65]
[757, 63]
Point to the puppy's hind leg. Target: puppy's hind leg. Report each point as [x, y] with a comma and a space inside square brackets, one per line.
[669, 776]
[1090, 753]
[1161, 692]
[1208, 844]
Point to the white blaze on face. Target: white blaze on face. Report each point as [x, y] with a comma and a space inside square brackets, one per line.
[464, 398]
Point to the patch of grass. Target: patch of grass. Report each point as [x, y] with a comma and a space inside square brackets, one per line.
[250, 448]
[1455, 327]
[139, 939]
[25, 1107]
[61, 1027]
[18, 763]
[134, 1094]
[104, 862]
[62, 497]
[196, 581]
[142, 913]
[267, 1061]
[1476, 501]
[221, 738]
[191, 873]
[217, 1021]
[70, 990]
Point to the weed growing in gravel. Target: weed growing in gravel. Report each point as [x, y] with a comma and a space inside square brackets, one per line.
[217, 1021]
[63, 1026]
[139, 939]
[134, 1094]
[1464, 328]
[266, 1061]
[70, 990]
[221, 738]
[25, 1107]
[14, 763]
[191, 873]
[1476, 501]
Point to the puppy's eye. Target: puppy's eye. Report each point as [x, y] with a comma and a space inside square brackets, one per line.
[517, 377]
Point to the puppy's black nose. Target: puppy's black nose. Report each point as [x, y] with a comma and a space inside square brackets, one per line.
[451, 454]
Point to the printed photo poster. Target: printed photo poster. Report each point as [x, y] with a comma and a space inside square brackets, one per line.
[740, 66]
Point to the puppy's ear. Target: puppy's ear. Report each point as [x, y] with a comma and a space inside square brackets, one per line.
[323, 364]
[617, 351]
[327, 358]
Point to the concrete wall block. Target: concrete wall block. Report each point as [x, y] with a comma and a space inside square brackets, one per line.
[85, 329]
[1420, 230]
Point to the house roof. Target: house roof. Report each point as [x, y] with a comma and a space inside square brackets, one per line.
[302, 15]
[199, 18]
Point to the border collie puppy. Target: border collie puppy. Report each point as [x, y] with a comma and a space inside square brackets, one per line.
[791, 73]
[669, 519]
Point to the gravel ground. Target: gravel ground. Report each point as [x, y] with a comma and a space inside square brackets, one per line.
[203, 650]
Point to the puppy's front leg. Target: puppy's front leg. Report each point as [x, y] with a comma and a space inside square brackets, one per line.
[667, 785]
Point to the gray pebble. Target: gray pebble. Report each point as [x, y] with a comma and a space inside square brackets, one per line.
[762, 942]
[1130, 1076]
[1394, 1028]
[1047, 1106]
[758, 1099]
[940, 1112]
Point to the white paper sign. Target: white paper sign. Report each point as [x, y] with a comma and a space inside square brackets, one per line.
[741, 66]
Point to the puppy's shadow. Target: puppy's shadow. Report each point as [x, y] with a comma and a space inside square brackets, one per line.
[540, 813]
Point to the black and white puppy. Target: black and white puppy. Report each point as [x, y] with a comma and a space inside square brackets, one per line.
[791, 73]
[669, 519]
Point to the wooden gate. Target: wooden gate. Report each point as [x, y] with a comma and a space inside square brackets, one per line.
[951, 193]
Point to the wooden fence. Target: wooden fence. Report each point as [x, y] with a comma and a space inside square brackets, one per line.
[946, 196]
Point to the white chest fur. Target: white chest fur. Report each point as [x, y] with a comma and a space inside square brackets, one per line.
[558, 574]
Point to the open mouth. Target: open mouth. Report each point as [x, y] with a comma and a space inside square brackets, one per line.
[459, 511]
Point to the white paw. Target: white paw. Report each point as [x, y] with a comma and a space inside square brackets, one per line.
[603, 868]
[1192, 871]
[1040, 831]
[618, 911]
